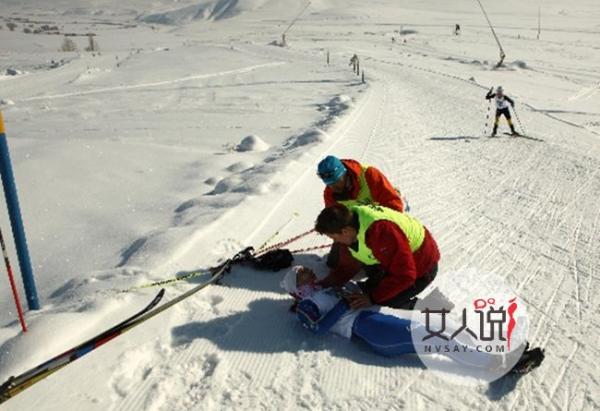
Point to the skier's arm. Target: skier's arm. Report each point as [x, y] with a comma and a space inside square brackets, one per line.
[344, 267]
[390, 246]
[489, 94]
[382, 190]
[510, 100]
[309, 315]
[337, 277]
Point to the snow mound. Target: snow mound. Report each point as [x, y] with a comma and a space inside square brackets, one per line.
[342, 101]
[211, 10]
[227, 184]
[519, 64]
[6, 102]
[13, 72]
[252, 143]
[239, 166]
[211, 181]
[309, 137]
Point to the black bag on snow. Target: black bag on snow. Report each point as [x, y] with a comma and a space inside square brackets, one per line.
[274, 260]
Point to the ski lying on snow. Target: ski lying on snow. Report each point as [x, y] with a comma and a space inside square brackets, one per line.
[15, 385]
[523, 136]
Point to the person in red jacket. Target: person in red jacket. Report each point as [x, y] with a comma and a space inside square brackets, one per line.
[348, 182]
[398, 253]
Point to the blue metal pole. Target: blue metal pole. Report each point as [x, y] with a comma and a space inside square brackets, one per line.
[14, 212]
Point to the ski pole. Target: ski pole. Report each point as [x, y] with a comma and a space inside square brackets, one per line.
[316, 247]
[284, 243]
[276, 233]
[519, 121]
[487, 117]
[12, 283]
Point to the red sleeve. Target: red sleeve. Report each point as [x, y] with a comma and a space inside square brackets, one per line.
[382, 190]
[390, 246]
[328, 197]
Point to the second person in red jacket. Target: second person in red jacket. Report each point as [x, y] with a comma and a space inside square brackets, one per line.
[398, 253]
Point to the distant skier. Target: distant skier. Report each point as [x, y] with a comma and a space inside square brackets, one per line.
[502, 102]
[457, 30]
[325, 309]
[354, 63]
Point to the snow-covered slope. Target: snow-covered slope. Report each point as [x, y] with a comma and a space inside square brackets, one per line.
[180, 142]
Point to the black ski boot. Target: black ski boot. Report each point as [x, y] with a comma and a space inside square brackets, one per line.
[494, 131]
[530, 359]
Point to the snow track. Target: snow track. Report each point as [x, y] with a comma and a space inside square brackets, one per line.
[498, 210]
[525, 209]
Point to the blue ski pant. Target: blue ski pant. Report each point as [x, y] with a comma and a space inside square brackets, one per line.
[385, 334]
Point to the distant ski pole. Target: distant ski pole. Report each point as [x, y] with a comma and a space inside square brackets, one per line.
[13, 287]
[502, 54]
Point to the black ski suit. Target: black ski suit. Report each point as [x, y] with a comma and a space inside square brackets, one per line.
[502, 103]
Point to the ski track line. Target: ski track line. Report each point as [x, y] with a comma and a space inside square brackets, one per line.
[491, 194]
[157, 83]
[373, 132]
[535, 383]
[558, 289]
[580, 187]
[594, 239]
[563, 370]
[575, 269]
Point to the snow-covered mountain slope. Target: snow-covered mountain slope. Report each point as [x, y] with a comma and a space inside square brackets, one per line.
[179, 143]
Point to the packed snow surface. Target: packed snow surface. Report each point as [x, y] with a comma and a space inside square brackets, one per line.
[183, 136]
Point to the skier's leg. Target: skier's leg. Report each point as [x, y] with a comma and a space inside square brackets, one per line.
[385, 334]
[390, 336]
[496, 121]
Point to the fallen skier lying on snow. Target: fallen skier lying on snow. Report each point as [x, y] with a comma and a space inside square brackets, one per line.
[324, 309]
